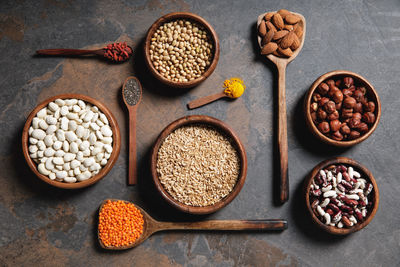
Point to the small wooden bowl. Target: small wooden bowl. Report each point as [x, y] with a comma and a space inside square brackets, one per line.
[105, 169]
[365, 174]
[175, 16]
[372, 95]
[200, 119]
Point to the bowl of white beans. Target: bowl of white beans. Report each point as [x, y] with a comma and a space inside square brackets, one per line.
[71, 141]
[181, 49]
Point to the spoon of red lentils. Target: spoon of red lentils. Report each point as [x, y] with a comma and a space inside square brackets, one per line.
[116, 52]
[124, 225]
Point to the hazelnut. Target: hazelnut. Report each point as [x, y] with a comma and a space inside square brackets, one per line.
[348, 81]
[362, 89]
[338, 96]
[354, 123]
[358, 95]
[370, 106]
[335, 125]
[314, 107]
[316, 97]
[368, 117]
[363, 127]
[330, 83]
[347, 113]
[321, 114]
[337, 136]
[323, 88]
[357, 115]
[358, 108]
[314, 117]
[349, 102]
[333, 116]
[332, 91]
[344, 129]
[323, 127]
[330, 107]
[323, 101]
[347, 92]
[354, 135]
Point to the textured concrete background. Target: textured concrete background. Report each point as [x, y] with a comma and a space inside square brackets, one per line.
[41, 225]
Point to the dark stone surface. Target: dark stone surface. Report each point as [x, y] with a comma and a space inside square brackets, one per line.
[43, 226]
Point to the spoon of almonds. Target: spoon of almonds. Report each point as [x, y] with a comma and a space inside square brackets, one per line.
[281, 37]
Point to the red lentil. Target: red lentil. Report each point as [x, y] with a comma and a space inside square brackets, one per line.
[120, 223]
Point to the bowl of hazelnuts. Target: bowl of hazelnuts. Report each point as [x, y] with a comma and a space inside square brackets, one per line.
[342, 108]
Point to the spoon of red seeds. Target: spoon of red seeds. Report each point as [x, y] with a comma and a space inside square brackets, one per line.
[116, 52]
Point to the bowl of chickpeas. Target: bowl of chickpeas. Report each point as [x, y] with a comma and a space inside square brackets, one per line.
[181, 49]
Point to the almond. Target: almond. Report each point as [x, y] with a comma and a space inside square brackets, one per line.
[262, 29]
[276, 53]
[278, 21]
[285, 52]
[270, 26]
[268, 16]
[288, 27]
[268, 37]
[279, 34]
[298, 30]
[296, 43]
[269, 48]
[287, 41]
[284, 13]
[292, 19]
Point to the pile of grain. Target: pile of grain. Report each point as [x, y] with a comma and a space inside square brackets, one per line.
[197, 165]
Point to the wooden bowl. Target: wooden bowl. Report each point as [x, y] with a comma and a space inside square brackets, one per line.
[372, 95]
[175, 16]
[104, 170]
[366, 174]
[200, 119]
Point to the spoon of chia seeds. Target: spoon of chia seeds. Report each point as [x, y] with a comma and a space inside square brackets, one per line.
[132, 94]
[116, 52]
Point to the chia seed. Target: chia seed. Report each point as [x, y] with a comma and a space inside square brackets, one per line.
[132, 92]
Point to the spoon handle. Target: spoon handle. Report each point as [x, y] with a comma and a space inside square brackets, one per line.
[282, 134]
[65, 52]
[205, 100]
[132, 178]
[226, 225]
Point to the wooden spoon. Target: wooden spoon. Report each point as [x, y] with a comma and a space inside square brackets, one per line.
[281, 64]
[206, 100]
[151, 226]
[132, 94]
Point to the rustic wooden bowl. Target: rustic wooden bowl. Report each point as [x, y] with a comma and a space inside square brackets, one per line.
[365, 173]
[372, 95]
[200, 119]
[175, 16]
[111, 161]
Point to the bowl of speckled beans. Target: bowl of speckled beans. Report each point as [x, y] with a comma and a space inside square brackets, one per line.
[71, 141]
[198, 164]
[341, 196]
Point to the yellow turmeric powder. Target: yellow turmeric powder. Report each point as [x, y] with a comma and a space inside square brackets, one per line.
[234, 87]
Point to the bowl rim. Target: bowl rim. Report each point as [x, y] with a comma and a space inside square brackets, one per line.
[346, 161]
[182, 15]
[111, 161]
[224, 128]
[307, 102]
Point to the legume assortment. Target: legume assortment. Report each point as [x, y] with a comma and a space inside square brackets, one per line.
[198, 165]
[120, 223]
[181, 50]
[70, 140]
[340, 196]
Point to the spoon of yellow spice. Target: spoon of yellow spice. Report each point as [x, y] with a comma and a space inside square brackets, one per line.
[233, 88]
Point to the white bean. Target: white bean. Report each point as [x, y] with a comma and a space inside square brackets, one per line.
[69, 157]
[106, 131]
[67, 166]
[324, 189]
[49, 164]
[339, 177]
[48, 140]
[42, 169]
[72, 125]
[59, 102]
[42, 113]
[330, 193]
[353, 196]
[70, 136]
[88, 162]
[52, 176]
[61, 174]
[65, 146]
[73, 148]
[43, 125]
[75, 163]
[58, 161]
[33, 148]
[103, 162]
[57, 145]
[92, 138]
[53, 106]
[40, 144]
[320, 210]
[94, 126]
[50, 120]
[77, 171]
[99, 135]
[72, 116]
[79, 156]
[33, 141]
[51, 129]
[350, 171]
[60, 135]
[327, 218]
[325, 202]
[38, 134]
[59, 153]
[107, 140]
